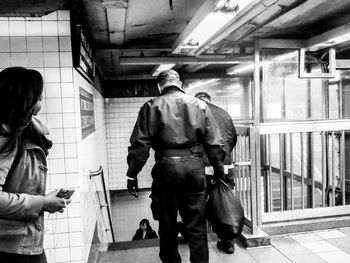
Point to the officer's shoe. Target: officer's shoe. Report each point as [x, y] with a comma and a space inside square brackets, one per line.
[227, 247]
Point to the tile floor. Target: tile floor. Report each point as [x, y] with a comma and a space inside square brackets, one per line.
[311, 247]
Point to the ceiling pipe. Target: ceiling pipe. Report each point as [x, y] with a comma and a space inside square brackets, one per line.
[254, 9]
[182, 60]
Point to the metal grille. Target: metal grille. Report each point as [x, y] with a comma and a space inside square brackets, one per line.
[293, 171]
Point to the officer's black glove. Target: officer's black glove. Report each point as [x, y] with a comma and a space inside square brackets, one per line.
[133, 187]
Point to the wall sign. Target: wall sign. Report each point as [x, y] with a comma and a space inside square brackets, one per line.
[86, 113]
[130, 88]
[83, 60]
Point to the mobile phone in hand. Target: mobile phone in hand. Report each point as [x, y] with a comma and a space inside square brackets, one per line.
[65, 193]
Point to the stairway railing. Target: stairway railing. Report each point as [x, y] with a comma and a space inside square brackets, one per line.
[106, 204]
[292, 171]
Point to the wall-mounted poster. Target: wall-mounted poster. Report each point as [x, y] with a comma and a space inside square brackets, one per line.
[83, 60]
[86, 113]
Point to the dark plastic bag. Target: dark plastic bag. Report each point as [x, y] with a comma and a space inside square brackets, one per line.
[224, 211]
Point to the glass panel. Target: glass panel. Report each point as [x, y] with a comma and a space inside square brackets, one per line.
[285, 95]
[333, 91]
[339, 95]
[345, 92]
[317, 99]
[232, 94]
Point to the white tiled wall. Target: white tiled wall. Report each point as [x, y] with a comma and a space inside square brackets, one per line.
[44, 44]
[91, 154]
[121, 115]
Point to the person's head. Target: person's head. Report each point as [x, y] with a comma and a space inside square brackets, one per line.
[169, 78]
[144, 224]
[21, 93]
[203, 96]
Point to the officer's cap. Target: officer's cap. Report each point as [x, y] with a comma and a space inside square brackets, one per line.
[169, 78]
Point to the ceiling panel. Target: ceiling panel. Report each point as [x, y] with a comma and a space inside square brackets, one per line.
[154, 19]
[116, 25]
[93, 16]
[305, 20]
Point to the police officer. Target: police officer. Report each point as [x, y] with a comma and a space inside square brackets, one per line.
[229, 135]
[175, 125]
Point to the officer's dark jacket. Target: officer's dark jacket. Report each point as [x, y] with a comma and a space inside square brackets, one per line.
[174, 120]
[227, 128]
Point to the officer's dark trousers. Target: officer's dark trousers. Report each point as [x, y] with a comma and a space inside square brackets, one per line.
[179, 184]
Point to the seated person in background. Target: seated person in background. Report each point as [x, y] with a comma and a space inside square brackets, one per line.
[145, 231]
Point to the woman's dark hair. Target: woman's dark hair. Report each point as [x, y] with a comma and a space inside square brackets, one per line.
[146, 222]
[20, 90]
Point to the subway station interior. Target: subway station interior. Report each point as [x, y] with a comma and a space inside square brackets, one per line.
[281, 68]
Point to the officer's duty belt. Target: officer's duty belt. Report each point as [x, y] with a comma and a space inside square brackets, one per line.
[178, 153]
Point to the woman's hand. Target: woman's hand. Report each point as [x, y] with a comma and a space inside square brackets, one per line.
[52, 203]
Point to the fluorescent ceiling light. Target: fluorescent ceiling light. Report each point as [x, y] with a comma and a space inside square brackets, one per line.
[160, 68]
[215, 19]
[211, 24]
[244, 67]
[286, 56]
[200, 83]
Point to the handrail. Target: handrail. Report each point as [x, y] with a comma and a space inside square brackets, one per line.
[246, 180]
[96, 173]
[309, 126]
[297, 177]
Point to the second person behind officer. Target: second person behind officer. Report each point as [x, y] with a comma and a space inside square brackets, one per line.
[229, 134]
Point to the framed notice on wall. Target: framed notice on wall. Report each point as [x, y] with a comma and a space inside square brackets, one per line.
[83, 60]
[86, 113]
